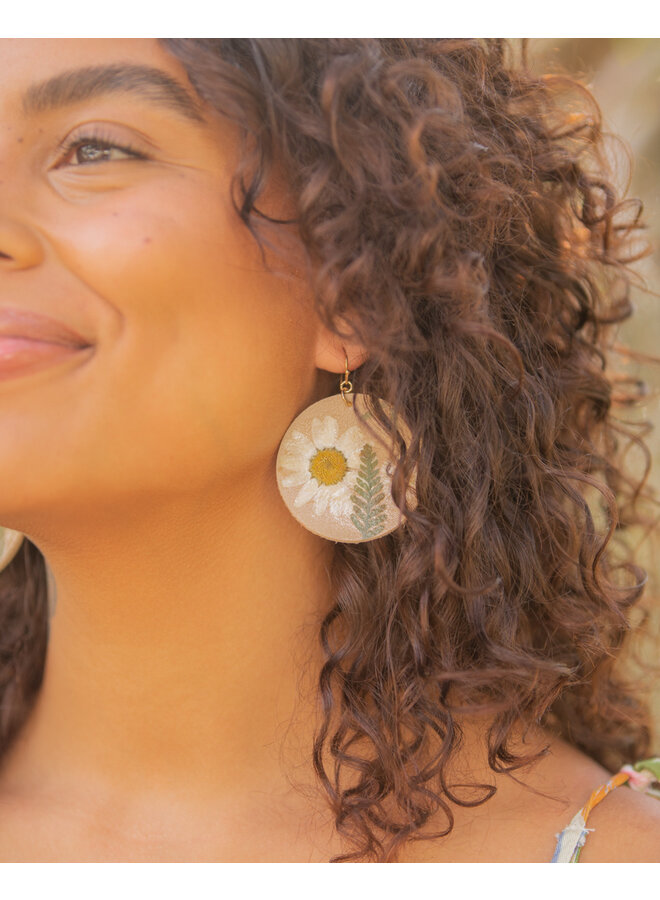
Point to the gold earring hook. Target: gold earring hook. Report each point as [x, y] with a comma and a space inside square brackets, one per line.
[345, 385]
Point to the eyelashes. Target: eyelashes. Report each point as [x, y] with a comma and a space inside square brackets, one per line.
[99, 140]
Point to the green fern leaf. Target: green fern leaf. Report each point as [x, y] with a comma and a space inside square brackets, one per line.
[368, 497]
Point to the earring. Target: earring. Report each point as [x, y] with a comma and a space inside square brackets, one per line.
[334, 478]
[10, 542]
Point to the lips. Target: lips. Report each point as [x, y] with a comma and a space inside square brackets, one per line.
[30, 342]
[30, 326]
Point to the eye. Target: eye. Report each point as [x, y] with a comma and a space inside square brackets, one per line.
[86, 149]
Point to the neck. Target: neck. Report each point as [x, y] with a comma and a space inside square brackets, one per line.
[182, 669]
[176, 649]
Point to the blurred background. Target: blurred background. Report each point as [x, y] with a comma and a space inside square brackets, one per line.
[623, 74]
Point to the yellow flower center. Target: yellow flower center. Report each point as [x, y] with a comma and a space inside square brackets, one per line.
[328, 466]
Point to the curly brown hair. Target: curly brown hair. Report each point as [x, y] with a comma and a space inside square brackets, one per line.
[459, 212]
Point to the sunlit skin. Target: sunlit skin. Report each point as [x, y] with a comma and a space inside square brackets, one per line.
[179, 690]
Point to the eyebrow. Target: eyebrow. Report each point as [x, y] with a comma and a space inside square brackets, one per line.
[78, 85]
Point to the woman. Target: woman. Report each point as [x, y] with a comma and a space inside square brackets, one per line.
[223, 233]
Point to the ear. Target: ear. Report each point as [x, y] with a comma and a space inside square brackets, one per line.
[329, 352]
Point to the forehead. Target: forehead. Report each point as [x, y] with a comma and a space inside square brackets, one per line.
[26, 62]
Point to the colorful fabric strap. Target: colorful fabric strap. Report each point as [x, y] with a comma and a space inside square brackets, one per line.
[642, 776]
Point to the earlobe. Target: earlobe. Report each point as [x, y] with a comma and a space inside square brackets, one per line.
[330, 350]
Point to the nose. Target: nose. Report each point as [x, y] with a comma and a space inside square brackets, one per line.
[20, 246]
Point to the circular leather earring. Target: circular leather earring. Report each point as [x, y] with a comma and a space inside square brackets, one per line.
[334, 478]
[10, 542]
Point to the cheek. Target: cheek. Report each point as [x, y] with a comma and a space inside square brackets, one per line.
[197, 368]
[136, 240]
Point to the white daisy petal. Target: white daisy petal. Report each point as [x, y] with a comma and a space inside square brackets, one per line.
[353, 459]
[298, 444]
[351, 442]
[294, 464]
[339, 504]
[321, 500]
[324, 431]
[349, 480]
[340, 507]
[295, 478]
[306, 492]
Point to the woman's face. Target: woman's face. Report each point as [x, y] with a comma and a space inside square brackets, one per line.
[199, 358]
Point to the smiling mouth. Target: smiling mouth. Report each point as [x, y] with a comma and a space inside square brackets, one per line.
[21, 355]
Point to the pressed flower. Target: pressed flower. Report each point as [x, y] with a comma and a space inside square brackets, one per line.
[325, 467]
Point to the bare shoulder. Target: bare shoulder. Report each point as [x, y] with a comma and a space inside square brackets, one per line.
[626, 828]
[522, 820]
